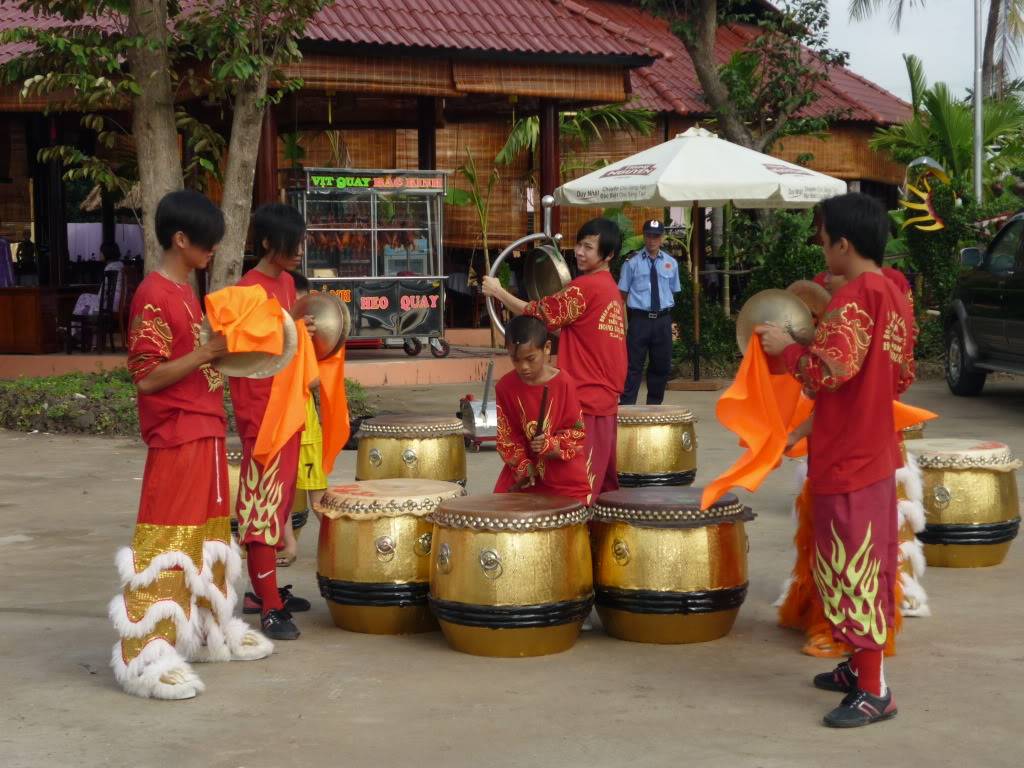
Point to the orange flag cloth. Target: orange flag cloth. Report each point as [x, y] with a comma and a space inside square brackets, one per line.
[761, 409]
[286, 408]
[248, 318]
[333, 408]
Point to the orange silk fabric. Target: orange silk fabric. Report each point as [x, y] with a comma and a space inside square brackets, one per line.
[333, 408]
[249, 320]
[286, 409]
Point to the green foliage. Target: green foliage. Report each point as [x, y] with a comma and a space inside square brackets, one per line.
[935, 255]
[100, 404]
[931, 343]
[478, 196]
[943, 128]
[776, 248]
[717, 330]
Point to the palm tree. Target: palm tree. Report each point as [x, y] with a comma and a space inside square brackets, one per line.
[1004, 32]
[942, 128]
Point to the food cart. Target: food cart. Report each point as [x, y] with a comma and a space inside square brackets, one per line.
[374, 238]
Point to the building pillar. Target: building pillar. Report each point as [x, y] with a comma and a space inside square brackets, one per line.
[550, 162]
[56, 222]
[265, 189]
[426, 133]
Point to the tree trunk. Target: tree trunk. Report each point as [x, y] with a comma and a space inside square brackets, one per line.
[701, 47]
[988, 68]
[153, 124]
[246, 124]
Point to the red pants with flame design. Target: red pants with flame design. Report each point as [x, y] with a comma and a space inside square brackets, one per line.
[265, 494]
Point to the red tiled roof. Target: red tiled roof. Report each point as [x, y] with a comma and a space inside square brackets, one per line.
[554, 27]
[670, 83]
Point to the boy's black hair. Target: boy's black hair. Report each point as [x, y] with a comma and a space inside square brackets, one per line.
[861, 219]
[193, 214]
[301, 281]
[524, 329]
[282, 226]
[609, 237]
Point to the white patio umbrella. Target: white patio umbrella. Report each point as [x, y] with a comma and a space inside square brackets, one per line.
[697, 168]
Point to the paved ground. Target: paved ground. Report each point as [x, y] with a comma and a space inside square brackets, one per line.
[335, 698]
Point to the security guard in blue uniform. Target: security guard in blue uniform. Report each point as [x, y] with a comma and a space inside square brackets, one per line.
[648, 281]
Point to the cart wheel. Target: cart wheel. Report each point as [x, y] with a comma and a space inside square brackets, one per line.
[475, 446]
[412, 346]
[439, 347]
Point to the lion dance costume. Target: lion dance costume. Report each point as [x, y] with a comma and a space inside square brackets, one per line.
[178, 597]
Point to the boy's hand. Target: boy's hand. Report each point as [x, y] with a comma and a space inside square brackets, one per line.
[773, 339]
[310, 325]
[490, 285]
[524, 482]
[215, 348]
[537, 444]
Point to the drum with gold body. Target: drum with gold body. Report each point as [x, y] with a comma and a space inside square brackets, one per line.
[914, 432]
[511, 573]
[970, 499]
[656, 445]
[373, 560]
[666, 571]
[407, 445]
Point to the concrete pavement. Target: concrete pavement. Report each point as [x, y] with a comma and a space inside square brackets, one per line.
[334, 698]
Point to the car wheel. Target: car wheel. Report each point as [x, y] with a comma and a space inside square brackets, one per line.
[961, 377]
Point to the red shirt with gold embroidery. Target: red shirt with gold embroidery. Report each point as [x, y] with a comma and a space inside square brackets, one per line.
[861, 360]
[592, 343]
[250, 396]
[165, 320]
[897, 277]
[518, 406]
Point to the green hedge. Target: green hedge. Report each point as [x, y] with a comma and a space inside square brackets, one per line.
[99, 404]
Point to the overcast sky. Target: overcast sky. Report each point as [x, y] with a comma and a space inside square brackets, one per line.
[940, 34]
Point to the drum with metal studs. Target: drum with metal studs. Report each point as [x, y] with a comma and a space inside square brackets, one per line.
[373, 557]
[666, 571]
[970, 498]
[414, 446]
[656, 445]
[511, 573]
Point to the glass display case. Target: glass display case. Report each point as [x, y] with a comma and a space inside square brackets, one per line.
[374, 238]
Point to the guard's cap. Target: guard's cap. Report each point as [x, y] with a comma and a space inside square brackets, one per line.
[654, 227]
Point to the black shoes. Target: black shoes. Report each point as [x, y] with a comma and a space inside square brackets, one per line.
[292, 604]
[842, 679]
[861, 708]
[278, 625]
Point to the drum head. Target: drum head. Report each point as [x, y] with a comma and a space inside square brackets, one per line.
[372, 499]
[654, 414]
[411, 425]
[333, 322]
[774, 306]
[545, 272]
[953, 453]
[255, 365]
[667, 507]
[510, 512]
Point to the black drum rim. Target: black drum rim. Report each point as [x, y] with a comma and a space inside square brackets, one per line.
[664, 603]
[971, 534]
[645, 479]
[512, 616]
[373, 594]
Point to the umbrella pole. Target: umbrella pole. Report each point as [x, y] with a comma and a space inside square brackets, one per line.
[697, 222]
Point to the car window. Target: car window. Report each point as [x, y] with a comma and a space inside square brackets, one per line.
[1002, 255]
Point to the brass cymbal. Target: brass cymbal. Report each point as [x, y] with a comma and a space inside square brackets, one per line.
[545, 272]
[333, 322]
[774, 306]
[815, 296]
[255, 365]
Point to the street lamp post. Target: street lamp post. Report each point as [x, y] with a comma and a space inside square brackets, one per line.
[978, 103]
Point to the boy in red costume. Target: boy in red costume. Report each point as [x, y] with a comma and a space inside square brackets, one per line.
[266, 493]
[592, 343]
[860, 361]
[543, 453]
[177, 575]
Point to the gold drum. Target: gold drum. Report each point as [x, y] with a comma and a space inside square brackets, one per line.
[914, 432]
[406, 445]
[971, 505]
[373, 559]
[657, 445]
[511, 573]
[666, 571]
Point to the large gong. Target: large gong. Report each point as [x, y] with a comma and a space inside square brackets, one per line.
[544, 272]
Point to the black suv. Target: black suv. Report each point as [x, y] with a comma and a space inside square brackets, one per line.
[985, 323]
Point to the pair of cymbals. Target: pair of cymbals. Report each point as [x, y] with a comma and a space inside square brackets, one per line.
[796, 310]
[333, 325]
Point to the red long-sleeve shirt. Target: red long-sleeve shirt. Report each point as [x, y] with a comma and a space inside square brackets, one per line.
[592, 344]
[518, 405]
[861, 360]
